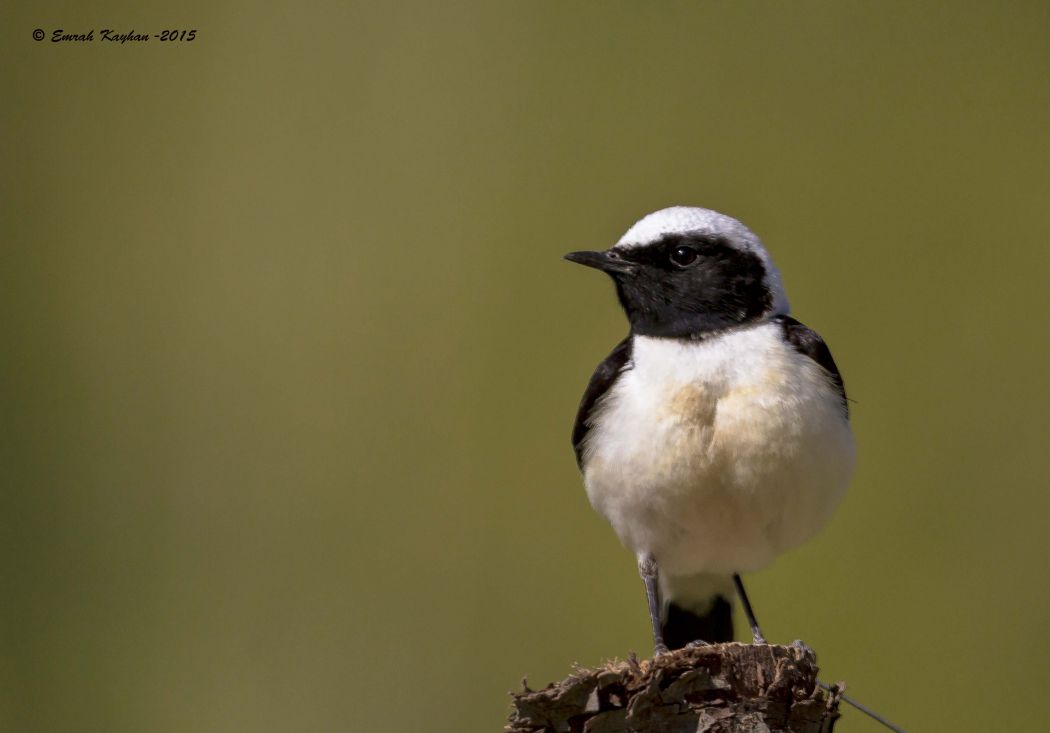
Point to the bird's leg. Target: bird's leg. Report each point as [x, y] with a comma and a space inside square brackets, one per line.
[756, 633]
[650, 573]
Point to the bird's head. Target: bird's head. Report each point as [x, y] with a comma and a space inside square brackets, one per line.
[687, 271]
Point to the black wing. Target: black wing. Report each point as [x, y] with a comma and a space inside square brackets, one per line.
[604, 377]
[809, 343]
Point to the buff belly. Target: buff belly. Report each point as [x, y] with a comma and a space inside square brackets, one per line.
[715, 457]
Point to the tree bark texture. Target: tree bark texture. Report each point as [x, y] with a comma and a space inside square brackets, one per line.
[721, 688]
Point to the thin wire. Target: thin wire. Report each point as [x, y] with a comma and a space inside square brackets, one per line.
[864, 709]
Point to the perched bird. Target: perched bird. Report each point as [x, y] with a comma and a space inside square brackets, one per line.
[716, 435]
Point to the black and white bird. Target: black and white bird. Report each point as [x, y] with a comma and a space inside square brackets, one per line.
[716, 435]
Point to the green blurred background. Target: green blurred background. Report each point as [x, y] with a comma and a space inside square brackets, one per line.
[291, 360]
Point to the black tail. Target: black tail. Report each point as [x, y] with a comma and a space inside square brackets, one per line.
[681, 626]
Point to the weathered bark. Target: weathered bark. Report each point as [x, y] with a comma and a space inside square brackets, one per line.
[722, 688]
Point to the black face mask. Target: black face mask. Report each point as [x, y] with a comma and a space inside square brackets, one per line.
[690, 285]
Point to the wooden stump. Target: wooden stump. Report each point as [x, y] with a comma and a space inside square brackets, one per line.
[722, 688]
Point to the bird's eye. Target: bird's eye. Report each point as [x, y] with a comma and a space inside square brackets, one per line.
[684, 256]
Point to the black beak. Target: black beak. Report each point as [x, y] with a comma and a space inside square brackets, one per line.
[609, 262]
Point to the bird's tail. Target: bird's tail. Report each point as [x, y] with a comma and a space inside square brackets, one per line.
[696, 607]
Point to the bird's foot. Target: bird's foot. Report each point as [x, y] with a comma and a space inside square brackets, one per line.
[799, 644]
[756, 637]
[696, 643]
[660, 649]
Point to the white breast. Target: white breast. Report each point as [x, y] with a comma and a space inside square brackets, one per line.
[715, 456]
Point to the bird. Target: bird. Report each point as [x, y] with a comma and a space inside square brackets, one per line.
[715, 436]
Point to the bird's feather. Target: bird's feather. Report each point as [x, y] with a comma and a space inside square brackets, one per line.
[808, 342]
[602, 380]
[681, 626]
